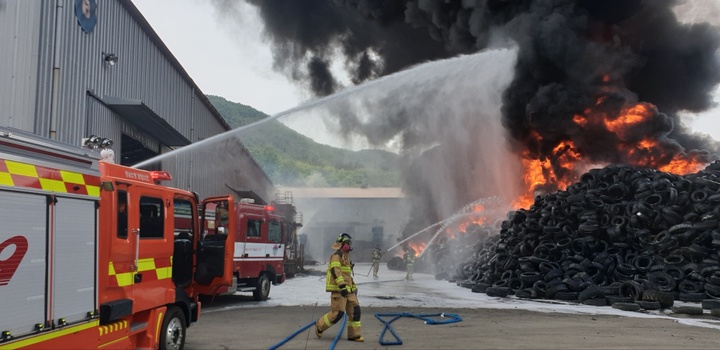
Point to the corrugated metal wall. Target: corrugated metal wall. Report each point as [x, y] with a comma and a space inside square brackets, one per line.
[19, 34]
[145, 71]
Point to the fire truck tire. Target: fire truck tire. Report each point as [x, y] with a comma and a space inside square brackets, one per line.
[172, 334]
[263, 288]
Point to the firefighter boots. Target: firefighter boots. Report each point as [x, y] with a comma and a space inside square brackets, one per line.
[318, 333]
[359, 339]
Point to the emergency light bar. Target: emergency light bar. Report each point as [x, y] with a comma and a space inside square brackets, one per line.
[269, 208]
[160, 176]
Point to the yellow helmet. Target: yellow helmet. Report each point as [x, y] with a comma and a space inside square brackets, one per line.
[344, 237]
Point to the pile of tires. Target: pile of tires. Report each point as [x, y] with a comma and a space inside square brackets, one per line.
[638, 238]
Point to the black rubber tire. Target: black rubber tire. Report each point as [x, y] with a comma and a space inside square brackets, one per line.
[666, 300]
[626, 306]
[262, 290]
[479, 287]
[649, 305]
[173, 331]
[618, 299]
[709, 304]
[688, 310]
[568, 296]
[692, 297]
[595, 302]
[497, 291]
[592, 291]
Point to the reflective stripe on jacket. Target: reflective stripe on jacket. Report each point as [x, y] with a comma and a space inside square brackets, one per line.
[339, 272]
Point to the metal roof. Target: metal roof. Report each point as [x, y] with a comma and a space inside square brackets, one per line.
[145, 118]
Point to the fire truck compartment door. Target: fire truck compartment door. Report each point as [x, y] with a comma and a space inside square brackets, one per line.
[23, 247]
[74, 259]
[214, 258]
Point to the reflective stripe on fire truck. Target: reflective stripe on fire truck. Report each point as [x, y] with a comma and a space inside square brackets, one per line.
[162, 268]
[18, 174]
[113, 327]
[50, 335]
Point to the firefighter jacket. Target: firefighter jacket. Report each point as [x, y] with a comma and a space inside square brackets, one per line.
[409, 257]
[339, 273]
[376, 255]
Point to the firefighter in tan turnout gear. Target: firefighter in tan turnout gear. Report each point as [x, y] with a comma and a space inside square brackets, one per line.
[343, 299]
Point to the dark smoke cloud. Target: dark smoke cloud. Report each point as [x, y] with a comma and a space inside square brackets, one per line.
[571, 53]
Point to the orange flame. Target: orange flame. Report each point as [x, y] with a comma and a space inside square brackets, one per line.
[630, 116]
[418, 247]
[559, 169]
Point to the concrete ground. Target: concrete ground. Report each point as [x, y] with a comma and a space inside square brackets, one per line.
[263, 327]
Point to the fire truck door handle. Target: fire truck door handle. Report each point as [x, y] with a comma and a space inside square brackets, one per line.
[137, 247]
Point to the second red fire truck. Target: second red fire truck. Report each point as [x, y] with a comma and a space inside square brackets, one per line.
[248, 239]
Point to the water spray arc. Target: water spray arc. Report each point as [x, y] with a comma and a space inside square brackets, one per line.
[465, 211]
[422, 75]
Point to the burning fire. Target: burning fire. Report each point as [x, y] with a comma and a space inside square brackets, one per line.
[562, 166]
[418, 247]
[476, 217]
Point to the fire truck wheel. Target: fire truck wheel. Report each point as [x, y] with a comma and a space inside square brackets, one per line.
[263, 288]
[172, 334]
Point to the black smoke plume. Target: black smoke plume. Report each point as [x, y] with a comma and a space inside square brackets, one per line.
[576, 58]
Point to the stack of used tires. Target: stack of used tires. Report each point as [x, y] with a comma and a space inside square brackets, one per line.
[623, 236]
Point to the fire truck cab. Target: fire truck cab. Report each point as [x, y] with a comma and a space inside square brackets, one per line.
[92, 254]
[248, 239]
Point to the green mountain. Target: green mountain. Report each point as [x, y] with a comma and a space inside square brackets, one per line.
[292, 159]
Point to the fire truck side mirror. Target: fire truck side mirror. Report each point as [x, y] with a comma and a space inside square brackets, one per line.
[107, 186]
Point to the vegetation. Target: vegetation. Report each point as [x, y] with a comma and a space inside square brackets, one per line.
[291, 159]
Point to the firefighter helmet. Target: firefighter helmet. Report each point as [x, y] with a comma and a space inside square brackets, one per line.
[344, 237]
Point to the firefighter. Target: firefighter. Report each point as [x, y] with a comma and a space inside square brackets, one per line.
[376, 255]
[409, 259]
[343, 298]
[222, 217]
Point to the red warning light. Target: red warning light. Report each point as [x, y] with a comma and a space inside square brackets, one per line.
[160, 176]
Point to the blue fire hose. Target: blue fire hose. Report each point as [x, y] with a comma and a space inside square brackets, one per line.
[332, 346]
[451, 318]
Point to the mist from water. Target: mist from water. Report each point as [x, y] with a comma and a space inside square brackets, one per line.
[442, 118]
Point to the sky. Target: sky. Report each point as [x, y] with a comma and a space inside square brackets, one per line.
[424, 291]
[226, 56]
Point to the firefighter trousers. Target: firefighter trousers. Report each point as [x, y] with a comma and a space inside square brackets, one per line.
[375, 267]
[409, 274]
[339, 306]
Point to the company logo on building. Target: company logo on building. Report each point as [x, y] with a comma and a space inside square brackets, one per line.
[12, 251]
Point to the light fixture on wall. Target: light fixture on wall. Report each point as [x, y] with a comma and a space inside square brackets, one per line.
[104, 144]
[110, 58]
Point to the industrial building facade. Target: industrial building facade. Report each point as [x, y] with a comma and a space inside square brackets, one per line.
[74, 68]
[370, 215]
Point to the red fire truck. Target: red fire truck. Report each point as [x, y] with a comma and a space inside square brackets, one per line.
[93, 254]
[292, 219]
[248, 238]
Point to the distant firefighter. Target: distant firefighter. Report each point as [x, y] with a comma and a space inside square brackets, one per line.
[409, 258]
[377, 253]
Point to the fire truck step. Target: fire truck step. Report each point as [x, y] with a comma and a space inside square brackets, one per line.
[137, 326]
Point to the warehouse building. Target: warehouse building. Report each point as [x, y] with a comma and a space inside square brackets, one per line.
[370, 215]
[70, 69]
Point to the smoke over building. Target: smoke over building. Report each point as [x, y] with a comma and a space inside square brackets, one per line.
[594, 81]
